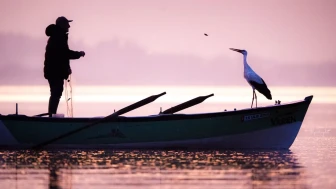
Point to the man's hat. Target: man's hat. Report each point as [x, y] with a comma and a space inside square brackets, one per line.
[61, 20]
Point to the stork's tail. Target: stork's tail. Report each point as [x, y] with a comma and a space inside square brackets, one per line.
[265, 91]
[268, 95]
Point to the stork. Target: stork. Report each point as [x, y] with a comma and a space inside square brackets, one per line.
[253, 79]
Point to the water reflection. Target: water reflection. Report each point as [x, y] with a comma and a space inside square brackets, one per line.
[150, 169]
[24, 178]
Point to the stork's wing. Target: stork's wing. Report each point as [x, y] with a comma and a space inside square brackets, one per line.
[263, 82]
[262, 88]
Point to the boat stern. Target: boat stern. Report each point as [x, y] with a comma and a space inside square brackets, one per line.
[6, 137]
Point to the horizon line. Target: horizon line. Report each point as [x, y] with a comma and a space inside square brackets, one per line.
[171, 85]
[175, 94]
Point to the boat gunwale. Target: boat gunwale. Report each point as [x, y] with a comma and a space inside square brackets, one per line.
[155, 117]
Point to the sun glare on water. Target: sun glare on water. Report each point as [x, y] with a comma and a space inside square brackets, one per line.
[102, 100]
[175, 94]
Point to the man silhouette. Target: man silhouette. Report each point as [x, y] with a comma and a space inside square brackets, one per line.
[57, 60]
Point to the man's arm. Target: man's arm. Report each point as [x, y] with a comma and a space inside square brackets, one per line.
[71, 54]
[74, 54]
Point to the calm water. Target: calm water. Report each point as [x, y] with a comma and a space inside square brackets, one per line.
[310, 163]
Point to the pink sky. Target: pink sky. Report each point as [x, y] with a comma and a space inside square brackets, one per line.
[282, 30]
[161, 42]
[156, 42]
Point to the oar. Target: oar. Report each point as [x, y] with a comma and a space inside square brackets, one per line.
[114, 115]
[40, 115]
[186, 105]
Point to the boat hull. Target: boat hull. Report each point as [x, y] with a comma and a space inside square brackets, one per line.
[272, 127]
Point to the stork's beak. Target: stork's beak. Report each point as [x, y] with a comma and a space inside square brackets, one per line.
[237, 50]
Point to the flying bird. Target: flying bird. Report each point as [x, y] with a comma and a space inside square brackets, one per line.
[254, 80]
[205, 34]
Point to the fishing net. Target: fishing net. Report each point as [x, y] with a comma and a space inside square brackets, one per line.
[68, 97]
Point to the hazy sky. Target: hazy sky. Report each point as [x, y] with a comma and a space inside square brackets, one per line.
[159, 42]
[287, 30]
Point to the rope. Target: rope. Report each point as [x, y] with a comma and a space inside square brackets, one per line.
[68, 97]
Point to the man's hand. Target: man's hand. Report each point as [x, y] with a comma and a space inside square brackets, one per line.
[82, 53]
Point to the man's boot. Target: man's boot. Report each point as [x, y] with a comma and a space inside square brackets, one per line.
[53, 105]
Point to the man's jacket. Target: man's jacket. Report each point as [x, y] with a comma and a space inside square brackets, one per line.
[58, 54]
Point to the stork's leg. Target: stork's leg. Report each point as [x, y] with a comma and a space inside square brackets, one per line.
[252, 98]
[256, 98]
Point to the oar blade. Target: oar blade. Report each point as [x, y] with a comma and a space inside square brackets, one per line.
[138, 104]
[186, 104]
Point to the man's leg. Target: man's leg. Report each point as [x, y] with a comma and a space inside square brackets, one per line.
[56, 90]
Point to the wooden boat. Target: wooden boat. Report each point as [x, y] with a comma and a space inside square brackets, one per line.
[270, 127]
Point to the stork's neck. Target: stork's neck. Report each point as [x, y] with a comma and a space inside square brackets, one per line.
[246, 66]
